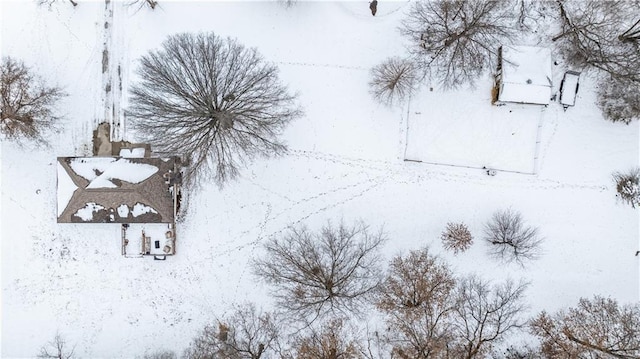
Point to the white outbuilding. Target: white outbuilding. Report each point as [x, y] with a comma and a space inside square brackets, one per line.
[524, 75]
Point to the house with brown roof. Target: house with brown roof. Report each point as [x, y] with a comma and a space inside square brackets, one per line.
[139, 193]
[117, 189]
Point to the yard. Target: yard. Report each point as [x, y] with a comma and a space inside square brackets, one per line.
[461, 128]
[346, 160]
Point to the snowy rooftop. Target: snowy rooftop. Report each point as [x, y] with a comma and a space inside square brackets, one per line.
[526, 75]
[114, 189]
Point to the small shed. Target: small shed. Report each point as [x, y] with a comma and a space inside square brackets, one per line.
[524, 75]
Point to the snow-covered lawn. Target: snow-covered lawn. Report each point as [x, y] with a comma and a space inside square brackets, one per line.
[345, 161]
[462, 128]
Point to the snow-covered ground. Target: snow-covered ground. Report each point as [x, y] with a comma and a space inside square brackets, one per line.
[346, 160]
[448, 129]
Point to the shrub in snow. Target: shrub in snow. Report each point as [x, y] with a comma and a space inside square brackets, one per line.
[211, 98]
[247, 333]
[393, 81]
[619, 100]
[595, 328]
[456, 237]
[57, 348]
[510, 240]
[628, 186]
[316, 274]
[26, 103]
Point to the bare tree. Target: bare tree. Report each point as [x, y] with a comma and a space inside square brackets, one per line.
[314, 274]
[520, 352]
[151, 3]
[431, 314]
[484, 314]
[375, 345]
[418, 298]
[57, 349]
[510, 240]
[592, 35]
[393, 81]
[595, 328]
[27, 107]
[51, 2]
[632, 33]
[456, 237]
[142, 3]
[246, 334]
[619, 100]
[212, 99]
[161, 354]
[287, 4]
[333, 340]
[457, 40]
[628, 186]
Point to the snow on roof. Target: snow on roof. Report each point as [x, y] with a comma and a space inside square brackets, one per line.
[132, 152]
[101, 171]
[526, 75]
[140, 209]
[86, 213]
[66, 188]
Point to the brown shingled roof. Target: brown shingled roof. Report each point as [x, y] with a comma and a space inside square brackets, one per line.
[111, 187]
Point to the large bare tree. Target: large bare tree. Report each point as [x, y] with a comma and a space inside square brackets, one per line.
[27, 110]
[457, 40]
[246, 334]
[151, 3]
[510, 240]
[316, 274]
[333, 339]
[596, 34]
[213, 100]
[432, 314]
[418, 299]
[485, 313]
[595, 328]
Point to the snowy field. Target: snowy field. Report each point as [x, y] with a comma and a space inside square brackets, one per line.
[461, 128]
[346, 160]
